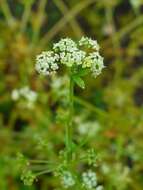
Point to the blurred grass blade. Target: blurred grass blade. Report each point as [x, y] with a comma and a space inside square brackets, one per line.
[7, 13]
[66, 18]
[26, 14]
[74, 24]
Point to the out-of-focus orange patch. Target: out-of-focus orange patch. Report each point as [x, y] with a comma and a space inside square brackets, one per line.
[110, 133]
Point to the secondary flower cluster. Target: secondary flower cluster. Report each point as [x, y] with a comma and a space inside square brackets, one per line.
[25, 93]
[84, 55]
[67, 179]
[88, 180]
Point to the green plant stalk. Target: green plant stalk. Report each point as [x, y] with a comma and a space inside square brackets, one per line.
[25, 17]
[73, 23]
[64, 20]
[40, 18]
[69, 126]
[7, 13]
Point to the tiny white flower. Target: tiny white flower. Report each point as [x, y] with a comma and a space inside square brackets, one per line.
[66, 59]
[78, 57]
[72, 58]
[100, 187]
[24, 91]
[29, 95]
[90, 128]
[67, 179]
[88, 42]
[15, 94]
[89, 179]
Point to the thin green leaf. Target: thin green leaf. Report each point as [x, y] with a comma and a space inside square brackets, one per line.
[79, 81]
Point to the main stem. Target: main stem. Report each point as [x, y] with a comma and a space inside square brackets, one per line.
[70, 119]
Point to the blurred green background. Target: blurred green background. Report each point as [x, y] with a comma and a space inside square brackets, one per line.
[109, 110]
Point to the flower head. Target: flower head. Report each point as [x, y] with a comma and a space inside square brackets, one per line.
[97, 63]
[67, 179]
[67, 52]
[89, 43]
[15, 94]
[65, 45]
[28, 177]
[25, 93]
[89, 179]
[47, 62]
[72, 58]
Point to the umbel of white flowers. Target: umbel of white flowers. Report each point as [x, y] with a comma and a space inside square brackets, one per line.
[81, 55]
[67, 179]
[90, 180]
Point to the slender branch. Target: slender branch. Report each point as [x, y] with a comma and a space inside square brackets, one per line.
[38, 167]
[44, 172]
[25, 16]
[61, 23]
[124, 31]
[39, 21]
[7, 13]
[41, 161]
[74, 24]
[90, 107]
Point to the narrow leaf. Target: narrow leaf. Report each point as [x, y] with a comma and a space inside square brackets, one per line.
[79, 81]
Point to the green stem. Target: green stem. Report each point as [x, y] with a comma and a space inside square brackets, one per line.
[124, 31]
[73, 23]
[44, 172]
[36, 32]
[64, 20]
[25, 16]
[7, 13]
[70, 119]
[41, 161]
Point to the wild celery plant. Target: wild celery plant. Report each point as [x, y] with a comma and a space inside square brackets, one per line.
[80, 59]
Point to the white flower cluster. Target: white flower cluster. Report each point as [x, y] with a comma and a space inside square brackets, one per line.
[29, 95]
[65, 45]
[89, 43]
[89, 179]
[67, 179]
[95, 62]
[67, 52]
[69, 59]
[47, 62]
[90, 128]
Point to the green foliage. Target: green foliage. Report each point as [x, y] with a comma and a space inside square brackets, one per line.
[79, 81]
